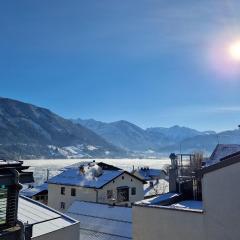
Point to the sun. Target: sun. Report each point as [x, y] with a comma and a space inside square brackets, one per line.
[234, 51]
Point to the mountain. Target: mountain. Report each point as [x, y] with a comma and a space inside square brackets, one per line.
[123, 134]
[176, 133]
[28, 131]
[159, 141]
[133, 138]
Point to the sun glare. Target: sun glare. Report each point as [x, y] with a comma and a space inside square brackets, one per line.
[234, 51]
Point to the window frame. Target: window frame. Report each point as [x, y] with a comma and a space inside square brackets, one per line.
[133, 191]
[63, 190]
[109, 194]
[62, 205]
[73, 192]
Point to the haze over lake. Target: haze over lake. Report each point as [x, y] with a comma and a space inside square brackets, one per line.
[40, 167]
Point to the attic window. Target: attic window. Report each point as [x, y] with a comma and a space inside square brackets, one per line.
[122, 177]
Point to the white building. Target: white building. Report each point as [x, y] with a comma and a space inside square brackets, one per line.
[101, 221]
[156, 180]
[47, 224]
[94, 182]
[217, 217]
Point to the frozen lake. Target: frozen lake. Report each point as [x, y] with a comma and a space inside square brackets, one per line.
[40, 167]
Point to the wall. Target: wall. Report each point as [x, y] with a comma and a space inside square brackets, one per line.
[151, 223]
[128, 181]
[55, 197]
[219, 221]
[221, 196]
[71, 232]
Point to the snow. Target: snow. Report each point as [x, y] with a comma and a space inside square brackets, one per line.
[39, 167]
[30, 192]
[194, 205]
[72, 176]
[147, 173]
[157, 199]
[159, 187]
[221, 151]
[101, 221]
[32, 212]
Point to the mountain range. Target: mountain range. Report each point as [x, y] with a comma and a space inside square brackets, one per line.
[29, 132]
[159, 141]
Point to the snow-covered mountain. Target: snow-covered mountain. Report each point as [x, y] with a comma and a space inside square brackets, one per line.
[123, 134]
[28, 131]
[156, 140]
[159, 140]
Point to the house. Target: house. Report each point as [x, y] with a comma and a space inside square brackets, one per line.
[38, 193]
[94, 182]
[101, 221]
[45, 222]
[156, 180]
[206, 205]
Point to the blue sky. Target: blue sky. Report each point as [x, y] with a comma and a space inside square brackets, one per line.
[152, 62]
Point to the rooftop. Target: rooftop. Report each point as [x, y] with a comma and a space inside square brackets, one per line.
[72, 176]
[222, 151]
[101, 221]
[156, 200]
[88, 174]
[147, 173]
[30, 192]
[45, 219]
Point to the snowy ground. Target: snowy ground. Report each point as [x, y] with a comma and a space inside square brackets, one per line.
[40, 167]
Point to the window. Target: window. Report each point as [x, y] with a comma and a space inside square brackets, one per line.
[122, 177]
[133, 191]
[123, 194]
[73, 192]
[109, 194]
[62, 205]
[62, 190]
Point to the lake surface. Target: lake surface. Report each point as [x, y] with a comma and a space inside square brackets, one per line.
[42, 167]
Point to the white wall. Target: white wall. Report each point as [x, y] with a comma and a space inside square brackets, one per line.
[156, 223]
[221, 196]
[219, 221]
[128, 181]
[55, 197]
[68, 233]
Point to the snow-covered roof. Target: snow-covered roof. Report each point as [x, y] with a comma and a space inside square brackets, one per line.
[89, 175]
[74, 177]
[194, 205]
[101, 221]
[45, 219]
[157, 199]
[158, 187]
[150, 173]
[30, 192]
[222, 151]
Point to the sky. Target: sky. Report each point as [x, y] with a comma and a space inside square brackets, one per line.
[151, 62]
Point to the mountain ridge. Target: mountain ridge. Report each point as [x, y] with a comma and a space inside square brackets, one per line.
[161, 139]
[28, 128]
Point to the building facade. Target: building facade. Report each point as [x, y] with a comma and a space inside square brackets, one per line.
[216, 217]
[93, 183]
